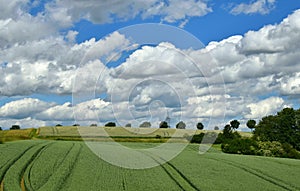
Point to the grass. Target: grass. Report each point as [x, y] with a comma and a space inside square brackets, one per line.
[61, 165]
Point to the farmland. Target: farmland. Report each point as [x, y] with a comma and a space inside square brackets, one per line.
[71, 165]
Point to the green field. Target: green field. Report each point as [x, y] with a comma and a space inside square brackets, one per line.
[70, 165]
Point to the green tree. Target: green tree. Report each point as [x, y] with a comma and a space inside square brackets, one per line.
[128, 125]
[234, 124]
[227, 132]
[110, 124]
[282, 127]
[15, 127]
[0, 128]
[145, 124]
[163, 124]
[251, 124]
[200, 126]
[180, 125]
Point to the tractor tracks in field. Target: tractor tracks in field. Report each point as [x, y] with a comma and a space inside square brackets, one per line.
[64, 158]
[25, 181]
[11, 162]
[8, 164]
[34, 151]
[124, 187]
[175, 174]
[180, 179]
[21, 170]
[28, 164]
[259, 174]
[64, 170]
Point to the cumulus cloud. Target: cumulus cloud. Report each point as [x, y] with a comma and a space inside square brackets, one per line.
[290, 85]
[153, 80]
[23, 108]
[175, 10]
[12, 9]
[50, 65]
[260, 61]
[265, 107]
[67, 12]
[250, 69]
[259, 6]
[24, 123]
[24, 29]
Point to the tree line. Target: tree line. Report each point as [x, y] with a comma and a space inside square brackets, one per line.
[163, 124]
[274, 135]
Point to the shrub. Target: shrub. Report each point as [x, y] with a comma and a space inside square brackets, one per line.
[290, 152]
[197, 138]
[240, 146]
[227, 137]
[277, 149]
[269, 148]
[219, 139]
[210, 137]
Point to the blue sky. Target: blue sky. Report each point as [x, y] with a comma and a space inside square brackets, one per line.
[214, 26]
[248, 65]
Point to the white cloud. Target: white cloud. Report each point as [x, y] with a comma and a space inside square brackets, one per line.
[150, 61]
[59, 113]
[67, 12]
[153, 79]
[265, 107]
[176, 10]
[259, 6]
[24, 29]
[49, 65]
[262, 60]
[23, 108]
[81, 112]
[12, 8]
[290, 85]
[71, 36]
[24, 123]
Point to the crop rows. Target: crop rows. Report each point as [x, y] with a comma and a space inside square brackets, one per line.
[59, 165]
[12, 172]
[46, 164]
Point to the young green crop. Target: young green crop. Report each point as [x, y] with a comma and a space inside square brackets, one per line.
[63, 171]
[61, 165]
[14, 176]
[46, 164]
